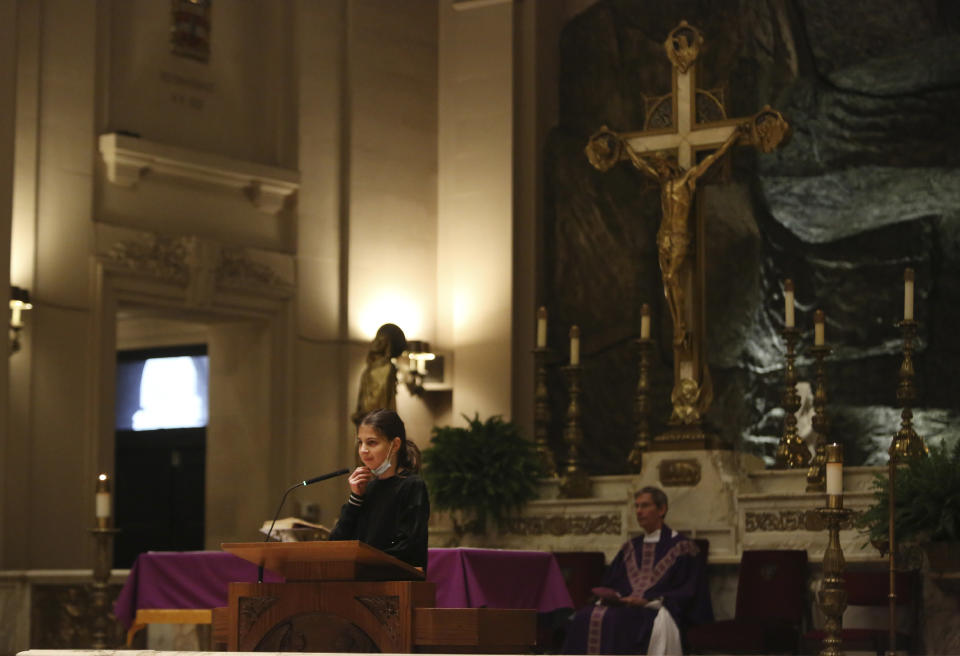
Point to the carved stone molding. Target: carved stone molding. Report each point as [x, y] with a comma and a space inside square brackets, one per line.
[236, 269]
[129, 159]
[386, 608]
[61, 617]
[790, 520]
[250, 610]
[679, 472]
[609, 524]
[156, 256]
[202, 266]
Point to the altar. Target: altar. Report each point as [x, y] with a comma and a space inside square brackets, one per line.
[725, 497]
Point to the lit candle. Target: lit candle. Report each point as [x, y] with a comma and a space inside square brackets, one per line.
[103, 500]
[788, 303]
[835, 475]
[644, 321]
[574, 346]
[818, 321]
[908, 294]
[542, 327]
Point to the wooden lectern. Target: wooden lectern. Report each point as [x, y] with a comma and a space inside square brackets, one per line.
[350, 597]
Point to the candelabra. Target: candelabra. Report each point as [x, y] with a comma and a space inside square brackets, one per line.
[641, 404]
[792, 452]
[541, 405]
[816, 474]
[833, 595]
[100, 593]
[575, 483]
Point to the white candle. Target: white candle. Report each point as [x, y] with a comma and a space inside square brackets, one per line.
[788, 303]
[574, 346]
[686, 370]
[542, 327]
[908, 294]
[835, 478]
[645, 321]
[834, 470]
[818, 322]
[103, 497]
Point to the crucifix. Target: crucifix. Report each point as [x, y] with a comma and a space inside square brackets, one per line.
[652, 151]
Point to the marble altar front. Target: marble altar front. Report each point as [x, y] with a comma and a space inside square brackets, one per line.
[725, 497]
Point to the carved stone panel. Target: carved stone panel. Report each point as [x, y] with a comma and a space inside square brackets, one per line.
[679, 472]
[609, 524]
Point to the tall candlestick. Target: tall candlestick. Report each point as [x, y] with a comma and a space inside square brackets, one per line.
[541, 327]
[908, 294]
[103, 501]
[574, 346]
[788, 303]
[644, 321]
[818, 321]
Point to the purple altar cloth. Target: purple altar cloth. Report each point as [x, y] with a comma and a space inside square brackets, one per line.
[465, 578]
[182, 579]
[473, 578]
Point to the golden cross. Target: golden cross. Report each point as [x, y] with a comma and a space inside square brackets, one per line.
[686, 136]
[683, 276]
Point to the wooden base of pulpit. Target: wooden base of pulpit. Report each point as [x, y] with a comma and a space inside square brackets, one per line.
[354, 616]
[350, 597]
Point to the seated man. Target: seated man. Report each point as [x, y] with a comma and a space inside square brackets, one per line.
[652, 590]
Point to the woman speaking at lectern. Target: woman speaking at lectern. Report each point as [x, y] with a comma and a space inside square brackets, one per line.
[388, 507]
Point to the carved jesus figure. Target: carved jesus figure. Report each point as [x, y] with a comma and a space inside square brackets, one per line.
[765, 130]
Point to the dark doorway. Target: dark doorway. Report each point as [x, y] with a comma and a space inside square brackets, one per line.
[160, 451]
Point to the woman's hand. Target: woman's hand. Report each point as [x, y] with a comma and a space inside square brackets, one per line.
[358, 480]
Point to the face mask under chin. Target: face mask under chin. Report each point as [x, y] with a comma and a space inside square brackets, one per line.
[384, 466]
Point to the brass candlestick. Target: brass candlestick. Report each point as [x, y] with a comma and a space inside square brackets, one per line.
[100, 593]
[792, 452]
[833, 594]
[575, 483]
[541, 417]
[816, 474]
[641, 404]
[906, 444]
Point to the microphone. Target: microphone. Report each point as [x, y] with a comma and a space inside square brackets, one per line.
[309, 481]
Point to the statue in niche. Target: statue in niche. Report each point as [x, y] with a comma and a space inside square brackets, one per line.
[378, 384]
[765, 130]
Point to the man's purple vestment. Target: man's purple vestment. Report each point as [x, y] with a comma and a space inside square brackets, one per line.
[669, 570]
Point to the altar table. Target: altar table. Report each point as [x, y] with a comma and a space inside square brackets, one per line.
[464, 578]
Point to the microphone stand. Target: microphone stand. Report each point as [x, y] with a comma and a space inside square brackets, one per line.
[316, 479]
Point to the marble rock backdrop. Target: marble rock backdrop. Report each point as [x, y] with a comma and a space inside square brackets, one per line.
[868, 185]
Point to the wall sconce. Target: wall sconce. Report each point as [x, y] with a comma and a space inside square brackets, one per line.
[19, 301]
[417, 354]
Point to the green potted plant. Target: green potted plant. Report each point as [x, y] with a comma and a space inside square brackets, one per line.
[484, 471]
[927, 506]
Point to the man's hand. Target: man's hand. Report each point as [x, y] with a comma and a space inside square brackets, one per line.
[634, 600]
[358, 480]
